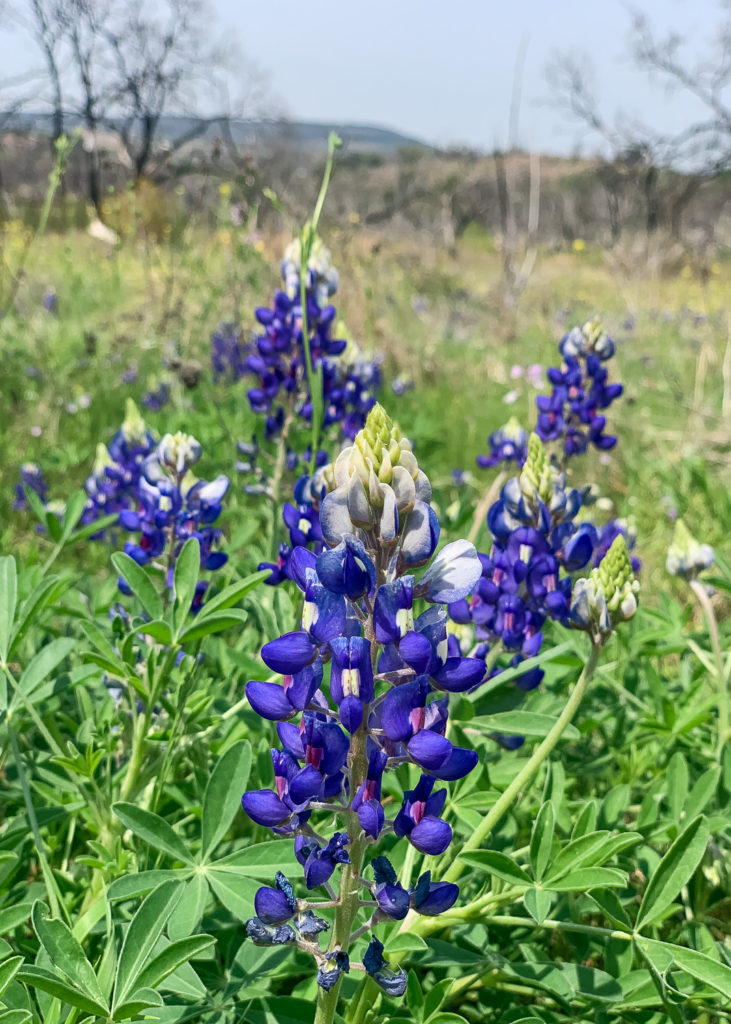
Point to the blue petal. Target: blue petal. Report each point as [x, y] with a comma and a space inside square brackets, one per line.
[289, 653]
[264, 807]
[270, 701]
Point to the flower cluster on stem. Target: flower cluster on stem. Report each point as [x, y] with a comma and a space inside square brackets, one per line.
[365, 692]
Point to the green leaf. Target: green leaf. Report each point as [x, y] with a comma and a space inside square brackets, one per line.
[144, 930]
[54, 985]
[50, 589]
[94, 527]
[447, 1018]
[405, 942]
[72, 514]
[186, 916]
[15, 1016]
[699, 965]
[223, 794]
[8, 600]
[541, 840]
[588, 878]
[537, 903]
[609, 904]
[65, 952]
[168, 959]
[586, 822]
[257, 861]
[8, 969]
[43, 663]
[153, 830]
[577, 852]
[236, 893]
[158, 629]
[497, 864]
[523, 723]
[567, 980]
[11, 917]
[128, 887]
[674, 870]
[186, 577]
[213, 623]
[233, 593]
[141, 999]
[704, 788]
[677, 780]
[139, 582]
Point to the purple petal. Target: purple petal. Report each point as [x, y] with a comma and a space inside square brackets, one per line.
[264, 807]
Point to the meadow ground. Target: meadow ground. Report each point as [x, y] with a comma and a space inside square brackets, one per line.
[128, 730]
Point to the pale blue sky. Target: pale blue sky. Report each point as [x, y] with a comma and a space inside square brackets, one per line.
[443, 71]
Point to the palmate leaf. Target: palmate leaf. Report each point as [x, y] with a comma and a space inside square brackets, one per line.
[223, 793]
[144, 930]
[673, 871]
[65, 952]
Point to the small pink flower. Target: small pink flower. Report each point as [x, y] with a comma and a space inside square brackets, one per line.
[510, 397]
[516, 371]
[36, 431]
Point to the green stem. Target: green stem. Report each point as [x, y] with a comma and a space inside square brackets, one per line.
[350, 888]
[307, 239]
[557, 926]
[54, 897]
[513, 792]
[723, 711]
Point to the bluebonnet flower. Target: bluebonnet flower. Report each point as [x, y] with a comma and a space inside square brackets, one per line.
[525, 579]
[171, 507]
[572, 413]
[50, 302]
[384, 705]
[156, 397]
[686, 556]
[31, 476]
[114, 481]
[228, 353]
[277, 358]
[507, 444]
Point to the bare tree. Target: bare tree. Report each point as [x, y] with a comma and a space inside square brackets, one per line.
[161, 55]
[666, 169]
[46, 22]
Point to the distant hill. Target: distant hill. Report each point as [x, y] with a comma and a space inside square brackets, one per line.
[299, 135]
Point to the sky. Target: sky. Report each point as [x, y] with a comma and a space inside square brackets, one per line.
[444, 71]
